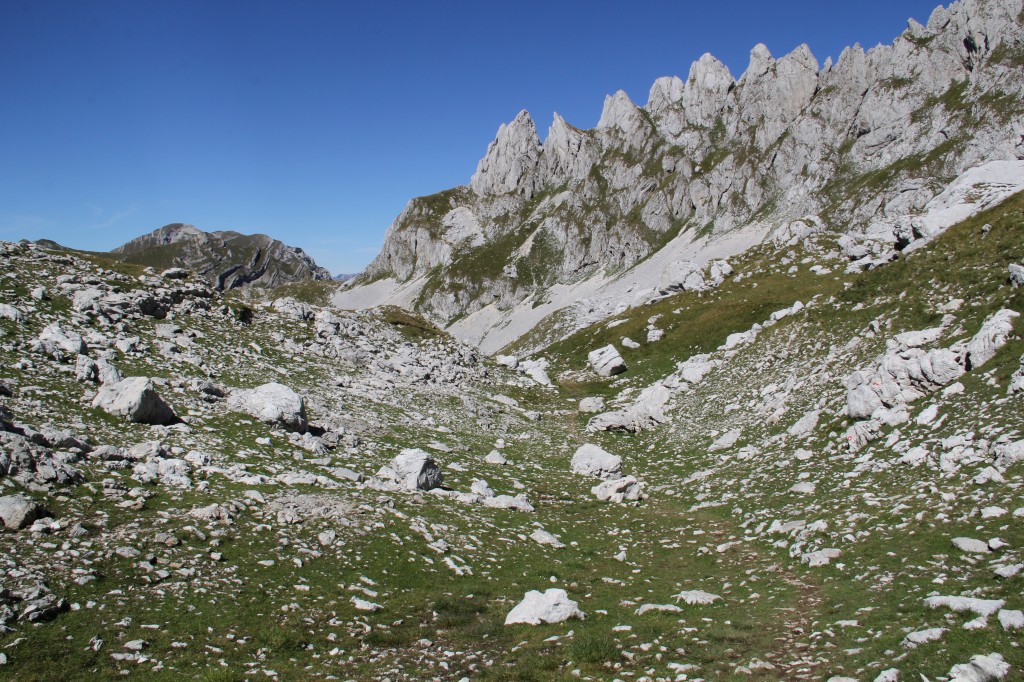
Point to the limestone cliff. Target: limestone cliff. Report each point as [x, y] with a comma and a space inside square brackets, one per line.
[708, 167]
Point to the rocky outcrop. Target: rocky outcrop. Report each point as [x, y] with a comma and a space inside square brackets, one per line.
[869, 139]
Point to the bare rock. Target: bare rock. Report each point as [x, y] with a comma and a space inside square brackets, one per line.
[136, 399]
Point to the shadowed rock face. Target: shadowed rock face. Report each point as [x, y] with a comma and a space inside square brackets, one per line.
[872, 137]
[226, 260]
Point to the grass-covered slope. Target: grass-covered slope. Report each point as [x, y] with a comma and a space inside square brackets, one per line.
[267, 590]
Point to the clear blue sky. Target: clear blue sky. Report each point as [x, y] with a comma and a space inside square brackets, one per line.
[316, 121]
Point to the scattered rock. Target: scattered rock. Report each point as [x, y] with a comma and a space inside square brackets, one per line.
[551, 606]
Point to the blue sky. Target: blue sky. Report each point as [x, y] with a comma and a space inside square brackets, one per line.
[316, 121]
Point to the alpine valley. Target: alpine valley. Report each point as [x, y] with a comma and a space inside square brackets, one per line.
[729, 387]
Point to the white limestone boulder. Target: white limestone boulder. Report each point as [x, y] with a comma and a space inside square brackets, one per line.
[619, 490]
[591, 460]
[271, 403]
[136, 399]
[56, 342]
[551, 606]
[413, 469]
[18, 511]
[606, 361]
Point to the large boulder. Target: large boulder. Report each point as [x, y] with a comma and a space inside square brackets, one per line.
[606, 361]
[18, 511]
[413, 469]
[551, 606]
[271, 403]
[136, 399]
[591, 460]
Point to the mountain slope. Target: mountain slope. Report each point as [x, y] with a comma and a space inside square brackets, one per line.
[227, 260]
[553, 232]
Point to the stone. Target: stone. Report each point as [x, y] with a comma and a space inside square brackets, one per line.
[606, 362]
[981, 607]
[542, 537]
[725, 441]
[591, 405]
[551, 606]
[136, 399]
[56, 342]
[646, 412]
[668, 608]
[919, 637]
[271, 403]
[1011, 619]
[495, 457]
[413, 469]
[619, 490]
[1016, 275]
[18, 512]
[9, 312]
[697, 597]
[971, 546]
[592, 460]
[993, 335]
[981, 668]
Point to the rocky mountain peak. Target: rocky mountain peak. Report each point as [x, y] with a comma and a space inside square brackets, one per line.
[710, 165]
[511, 160]
[568, 152]
[225, 259]
[666, 91]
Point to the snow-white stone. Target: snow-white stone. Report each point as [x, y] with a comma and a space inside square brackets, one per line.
[551, 606]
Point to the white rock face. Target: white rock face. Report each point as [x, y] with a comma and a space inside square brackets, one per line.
[136, 399]
[606, 362]
[511, 160]
[271, 403]
[619, 490]
[413, 469]
[591, 405]
[551, 606]
[591, 460]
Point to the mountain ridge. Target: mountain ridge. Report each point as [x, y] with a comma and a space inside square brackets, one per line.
[870, 138]
[225, 259]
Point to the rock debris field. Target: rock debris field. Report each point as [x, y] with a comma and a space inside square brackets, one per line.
[824, 484]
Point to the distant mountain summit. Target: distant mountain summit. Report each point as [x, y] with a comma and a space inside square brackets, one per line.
[227, 260]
